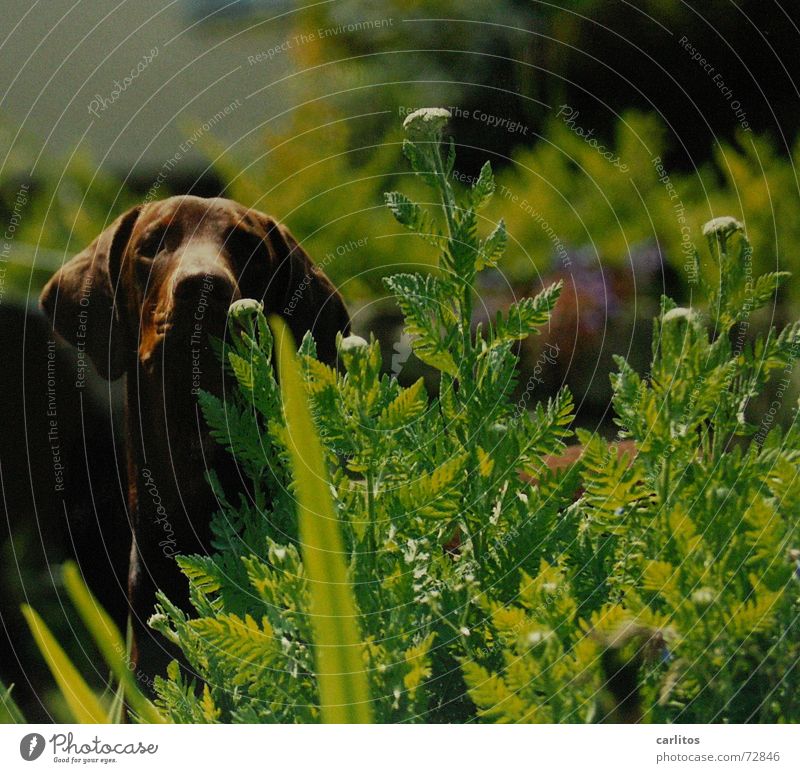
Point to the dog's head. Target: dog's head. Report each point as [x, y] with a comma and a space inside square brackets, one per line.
[160, 279]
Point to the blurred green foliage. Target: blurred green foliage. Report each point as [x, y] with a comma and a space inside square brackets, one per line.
[560, 198]
[591, 204]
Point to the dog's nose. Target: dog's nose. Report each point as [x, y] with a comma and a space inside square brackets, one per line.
[196, 286]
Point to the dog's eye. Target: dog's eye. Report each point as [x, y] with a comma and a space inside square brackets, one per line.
[152, 243]
[240, 241]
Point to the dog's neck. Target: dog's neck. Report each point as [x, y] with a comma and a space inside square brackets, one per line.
[169, 452]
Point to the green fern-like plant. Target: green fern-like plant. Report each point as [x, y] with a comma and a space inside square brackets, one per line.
[411, 476]
[679, 600]
[484, 585]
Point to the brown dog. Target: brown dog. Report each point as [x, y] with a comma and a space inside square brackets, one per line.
[142, 301]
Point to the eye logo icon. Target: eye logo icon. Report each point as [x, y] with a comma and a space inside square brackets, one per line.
[31, 746]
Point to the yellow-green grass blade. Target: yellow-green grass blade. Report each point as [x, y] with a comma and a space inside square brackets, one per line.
[10, 713]
[81, 700]
[338, 650]
[109, 641]
[116, 714]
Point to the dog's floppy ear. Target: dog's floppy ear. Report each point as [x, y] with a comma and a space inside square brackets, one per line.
[302, 294]
[79, 298]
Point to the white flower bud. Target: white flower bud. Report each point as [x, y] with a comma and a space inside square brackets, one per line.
[535, 639]
[426, 122]
[244, 309]
[722, 227]
[683, 315]
[352, 343]
[688, 315]
[704, 597]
